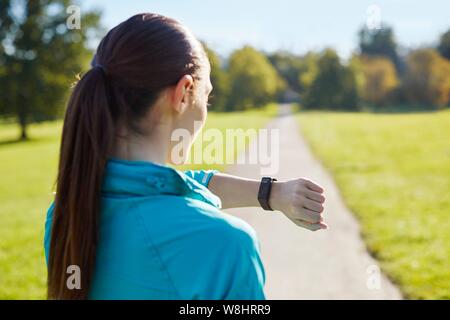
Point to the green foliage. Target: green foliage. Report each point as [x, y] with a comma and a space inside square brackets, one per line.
[219, 80]
[308, 70]
[427, 80]
[376, 79]
[393, 173]
[40, 58]
[253, 79]
[379, 42]
[334, 86]
[288, 66]
[444, 45]
[249, 80]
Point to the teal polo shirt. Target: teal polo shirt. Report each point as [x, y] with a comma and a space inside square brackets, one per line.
[162, 236]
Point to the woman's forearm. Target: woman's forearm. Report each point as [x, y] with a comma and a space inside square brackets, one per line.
[300, 200]
[235, 191]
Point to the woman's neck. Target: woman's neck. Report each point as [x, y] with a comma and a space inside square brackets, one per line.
[153, 148]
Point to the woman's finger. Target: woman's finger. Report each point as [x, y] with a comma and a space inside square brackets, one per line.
[312, 186]
[311, 226]
[313, 195]
[312, 205]
[308, 215]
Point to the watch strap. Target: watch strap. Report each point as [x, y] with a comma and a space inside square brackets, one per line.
[264, 192]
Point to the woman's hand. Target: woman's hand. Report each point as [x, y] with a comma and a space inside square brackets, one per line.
[301, 201]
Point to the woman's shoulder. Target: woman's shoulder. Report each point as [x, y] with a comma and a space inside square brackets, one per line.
[199, 219]
[229, 225]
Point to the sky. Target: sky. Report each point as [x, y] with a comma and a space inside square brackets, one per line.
[294, 25]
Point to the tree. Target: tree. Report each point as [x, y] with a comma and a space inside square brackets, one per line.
[334, 86]
[376, 78]
[427, 79]
[253, 79]
[308, 70]
[40, 56]
[379, 42]
[219, 80]
[444, 45]
[288, 67]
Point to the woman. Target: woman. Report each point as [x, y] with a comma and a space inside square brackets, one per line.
[133, 227]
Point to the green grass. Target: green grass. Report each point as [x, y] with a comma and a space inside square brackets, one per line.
[28, 171]
[394, 174]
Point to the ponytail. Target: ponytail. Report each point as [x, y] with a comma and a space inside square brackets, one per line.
[87, 139]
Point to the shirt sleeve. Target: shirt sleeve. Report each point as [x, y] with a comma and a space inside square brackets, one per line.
[201, 176]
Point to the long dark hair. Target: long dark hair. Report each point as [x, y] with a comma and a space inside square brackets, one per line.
[134, 62]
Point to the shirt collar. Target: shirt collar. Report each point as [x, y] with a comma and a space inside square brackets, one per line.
[141, 178]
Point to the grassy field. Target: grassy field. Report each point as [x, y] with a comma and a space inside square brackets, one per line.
[27, 172]
[394, 173]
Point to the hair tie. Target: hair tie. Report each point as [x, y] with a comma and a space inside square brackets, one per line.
[101, 67]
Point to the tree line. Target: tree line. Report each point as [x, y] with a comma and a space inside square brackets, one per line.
[376, 77]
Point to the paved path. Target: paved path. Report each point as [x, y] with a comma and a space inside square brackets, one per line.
[300, 264]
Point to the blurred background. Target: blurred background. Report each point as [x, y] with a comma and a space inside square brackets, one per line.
[369, 82]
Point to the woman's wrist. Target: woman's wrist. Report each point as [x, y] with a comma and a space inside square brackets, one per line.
[276, 193]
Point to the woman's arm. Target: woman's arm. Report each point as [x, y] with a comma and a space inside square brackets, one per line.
[301, 200]
[235, 192]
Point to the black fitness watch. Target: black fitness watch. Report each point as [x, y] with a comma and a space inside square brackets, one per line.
[264, 192]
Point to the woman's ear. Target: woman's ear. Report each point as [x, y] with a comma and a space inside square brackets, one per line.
[182, 92]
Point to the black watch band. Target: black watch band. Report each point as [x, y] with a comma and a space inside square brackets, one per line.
[264, 192]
